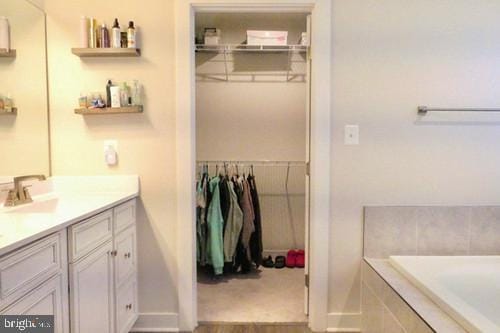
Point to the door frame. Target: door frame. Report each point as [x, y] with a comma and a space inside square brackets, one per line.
[321, 53]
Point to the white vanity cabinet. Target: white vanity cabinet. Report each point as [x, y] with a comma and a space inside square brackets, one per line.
[103, 271]
[34, 280]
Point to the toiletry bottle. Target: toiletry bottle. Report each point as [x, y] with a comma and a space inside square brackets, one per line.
[84, 32]
[108, 93]
[92, 33]
[104, 36]
[4, 34]
[124, 95]
[136, 94]
[123, 39]
[8, 104]
[115, 96]
[2, 104]
[131, 35]
[115, 35]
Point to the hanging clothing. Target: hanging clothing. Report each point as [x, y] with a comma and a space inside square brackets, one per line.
[215, 223]
[256, 247]
[248, 216]
[233, 225]
[225, 201]
[201, 222]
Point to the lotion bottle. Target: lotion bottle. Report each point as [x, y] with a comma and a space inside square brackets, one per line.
[131, 36]
[4, 34]
[116, 35]
[104, 36]
[84, 32]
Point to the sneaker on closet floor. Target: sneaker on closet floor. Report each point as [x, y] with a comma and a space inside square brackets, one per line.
[268, 262]
[280, 262]
[300, 259]
[291, 259]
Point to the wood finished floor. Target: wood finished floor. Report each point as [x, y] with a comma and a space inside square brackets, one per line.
[252, 328]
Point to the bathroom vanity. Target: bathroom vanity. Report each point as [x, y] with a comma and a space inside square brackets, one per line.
[72, 253]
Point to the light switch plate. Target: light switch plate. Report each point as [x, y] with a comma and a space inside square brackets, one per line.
[351, 135]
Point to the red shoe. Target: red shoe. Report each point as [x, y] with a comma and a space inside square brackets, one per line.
[300, 258]
[291, 258]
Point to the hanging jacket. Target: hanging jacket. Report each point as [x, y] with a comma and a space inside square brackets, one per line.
[201, 225]
[256, 247]
[215, 223]
[248, 217]
[233, 225]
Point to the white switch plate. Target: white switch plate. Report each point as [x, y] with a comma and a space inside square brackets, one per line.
[112, 143]
[351, 135]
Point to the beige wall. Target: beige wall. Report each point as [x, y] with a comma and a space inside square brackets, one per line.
[146, 142]
[24, 142]
[389, 57]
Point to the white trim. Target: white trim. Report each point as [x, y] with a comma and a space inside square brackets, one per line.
[344, 322]
[320, 151]
[156, 322]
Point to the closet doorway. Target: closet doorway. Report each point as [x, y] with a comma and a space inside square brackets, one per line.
[252, 118]
[320, 91]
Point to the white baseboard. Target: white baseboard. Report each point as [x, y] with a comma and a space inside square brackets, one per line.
[157, 322]
[344, 322]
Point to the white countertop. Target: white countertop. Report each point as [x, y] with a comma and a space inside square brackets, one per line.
[60, 202]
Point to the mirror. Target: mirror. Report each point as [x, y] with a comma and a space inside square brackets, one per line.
[24, 136]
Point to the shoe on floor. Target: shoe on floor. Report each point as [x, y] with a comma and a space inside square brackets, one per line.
[279, 262]
[291, 259]
[300, 259]
[268, 262]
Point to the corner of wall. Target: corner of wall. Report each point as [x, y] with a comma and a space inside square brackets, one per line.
[344, 322]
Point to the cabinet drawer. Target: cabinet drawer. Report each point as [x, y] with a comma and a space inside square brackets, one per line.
[89, 234]
[124, 215]
[29, 266]
[47, 299]
[126, 305]
[126, 255]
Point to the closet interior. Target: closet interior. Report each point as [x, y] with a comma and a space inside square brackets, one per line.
[251, 148]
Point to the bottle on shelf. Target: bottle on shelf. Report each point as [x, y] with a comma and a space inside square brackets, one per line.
[104, 36]
[4, 34]
[84, 32]
[8, 103]
[116, 35]
[124, 95]
[92, 33]
[108, 93]
[131, 38]
[136, 94]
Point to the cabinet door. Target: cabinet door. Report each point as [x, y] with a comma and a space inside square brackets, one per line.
[47, 299]
[126, 305]
[125, 260]
[92, 292]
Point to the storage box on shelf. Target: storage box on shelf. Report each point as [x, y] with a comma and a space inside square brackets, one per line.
[8, 54]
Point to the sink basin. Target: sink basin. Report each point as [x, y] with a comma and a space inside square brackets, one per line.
[46, 206]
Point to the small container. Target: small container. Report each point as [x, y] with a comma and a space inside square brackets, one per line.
[4, 34]
[83, 101]
[116, 35]
[115, 96]
[123, 41]
[267, 38]
[136, 94]
[92, 33]
[124, 95]
[212, 36]
[84, 32]
[104, 36]
[303, 39]
[131, 41]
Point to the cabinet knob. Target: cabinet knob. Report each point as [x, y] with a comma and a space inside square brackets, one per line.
[127, 255]
[114, 253]
[128, 306]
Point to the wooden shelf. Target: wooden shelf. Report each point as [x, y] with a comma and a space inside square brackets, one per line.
[101, 111]
[106, 52]
[11, 54]
[13, 113]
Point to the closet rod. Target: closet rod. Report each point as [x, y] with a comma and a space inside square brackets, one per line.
[260, 162]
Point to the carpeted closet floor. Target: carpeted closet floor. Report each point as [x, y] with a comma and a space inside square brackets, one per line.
[267, 296]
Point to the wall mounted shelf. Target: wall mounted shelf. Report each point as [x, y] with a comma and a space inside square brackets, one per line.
[230, 48]
[101, 111]
[10, 54]
[106, 52]
[13, 113]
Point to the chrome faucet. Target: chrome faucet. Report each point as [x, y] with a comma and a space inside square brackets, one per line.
[19, 194]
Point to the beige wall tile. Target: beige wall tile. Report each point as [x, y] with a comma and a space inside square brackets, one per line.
[485, 231]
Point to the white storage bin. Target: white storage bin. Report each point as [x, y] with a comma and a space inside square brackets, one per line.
[259, 37]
